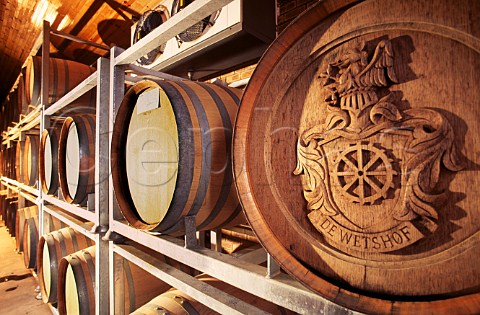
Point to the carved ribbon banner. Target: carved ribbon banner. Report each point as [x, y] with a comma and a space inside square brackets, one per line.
[395, 238]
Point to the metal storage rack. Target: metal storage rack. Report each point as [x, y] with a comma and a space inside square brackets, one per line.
[17, 133]
[266, 282]
[110, 229]
[72, 215]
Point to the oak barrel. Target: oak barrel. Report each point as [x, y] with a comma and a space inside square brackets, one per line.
[12, 105]
[355, 154]
[64, 75]
[9, 161]
[30, 242]
[27, 151]
[176, 302]
[10, 112]
[48, 160]
[22, 102]
[6, 161]
[13, 166]
[76, 158]
[3, 205]
[11, 214]
[30, 238]
[19, 151]
[22, 215]
[77, 277]
[30, 160]
[171, 156]
[52, 247]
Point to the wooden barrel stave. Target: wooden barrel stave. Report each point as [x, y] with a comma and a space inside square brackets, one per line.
[77, 165]
[52, 247]
[203, 116]
[48, 160]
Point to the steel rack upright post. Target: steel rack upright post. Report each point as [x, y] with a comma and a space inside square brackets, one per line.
[74, 215]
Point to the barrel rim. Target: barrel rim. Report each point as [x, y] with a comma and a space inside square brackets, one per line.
[120, 184]
[33, 66]
[48, 239]
[62, 269]
[84, 184]
[62, 149]
[32, 141]
[52, 133]
[78, 262]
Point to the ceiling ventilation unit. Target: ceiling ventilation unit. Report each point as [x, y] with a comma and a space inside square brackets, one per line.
[196, 30]
[236, 35]
[149, 21]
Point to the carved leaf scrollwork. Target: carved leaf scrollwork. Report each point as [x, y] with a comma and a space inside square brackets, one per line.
[310, 165]
[384, 109]
[432, 143]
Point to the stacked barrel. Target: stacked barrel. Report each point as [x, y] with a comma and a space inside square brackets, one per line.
[14, 108]
[171, 161]
[178, 151]
[29, 156]
[20, 155]
[353, 157]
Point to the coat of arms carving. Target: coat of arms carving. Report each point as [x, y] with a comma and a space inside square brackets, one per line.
[370, 170]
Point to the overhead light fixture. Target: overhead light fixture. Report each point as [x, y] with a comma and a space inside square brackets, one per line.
[44, 11]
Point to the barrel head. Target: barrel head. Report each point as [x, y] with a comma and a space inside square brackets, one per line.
[355, 153]
[152, 155]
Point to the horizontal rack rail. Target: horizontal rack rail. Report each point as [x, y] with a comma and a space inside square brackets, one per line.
[200, 291]
[281, 290]
[86, 85]
[71, 208]
[20, 186]
[70, 220]
[26, 123]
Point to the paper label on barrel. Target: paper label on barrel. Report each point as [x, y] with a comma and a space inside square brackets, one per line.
[148, 100]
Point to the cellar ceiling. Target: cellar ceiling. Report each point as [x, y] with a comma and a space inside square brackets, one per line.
[105, 22]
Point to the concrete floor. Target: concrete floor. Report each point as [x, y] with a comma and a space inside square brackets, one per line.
[17, 285]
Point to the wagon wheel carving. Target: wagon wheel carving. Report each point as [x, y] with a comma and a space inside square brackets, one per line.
[363, 173]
